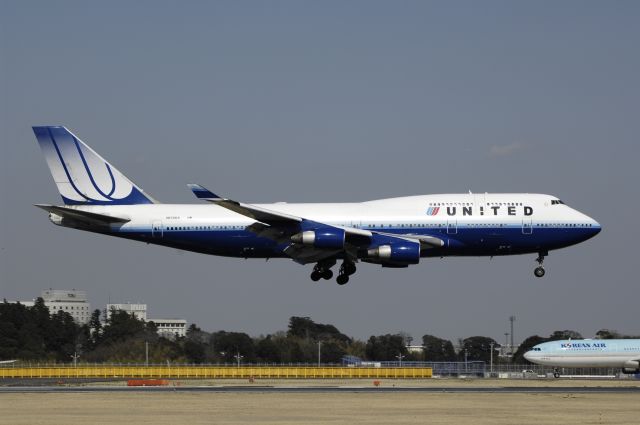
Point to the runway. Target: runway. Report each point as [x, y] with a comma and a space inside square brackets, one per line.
[318, 389]
[446, 403]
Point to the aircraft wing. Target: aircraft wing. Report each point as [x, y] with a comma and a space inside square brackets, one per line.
[302, 254]
[83, 216]
[263, 215]
[251, 211]
[280, 227]
[425, 240]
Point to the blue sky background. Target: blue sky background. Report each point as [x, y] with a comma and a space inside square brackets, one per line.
[331, 101]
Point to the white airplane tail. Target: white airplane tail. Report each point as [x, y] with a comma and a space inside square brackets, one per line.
[83, 177]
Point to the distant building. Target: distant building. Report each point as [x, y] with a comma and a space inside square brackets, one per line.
[171, 328]
[138, 310]
[168, 328]
[70, 301]
[415, 349]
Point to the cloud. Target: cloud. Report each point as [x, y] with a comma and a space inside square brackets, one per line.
[506, 150]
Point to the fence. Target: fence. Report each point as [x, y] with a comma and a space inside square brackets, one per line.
[477, 368]
[544, 370]
[406, 370]
[480, 368]
[217, 372]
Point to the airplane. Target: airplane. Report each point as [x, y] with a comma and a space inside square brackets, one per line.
[394, 232]
[618, 353]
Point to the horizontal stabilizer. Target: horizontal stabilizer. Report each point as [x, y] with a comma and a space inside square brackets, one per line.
[83, 216]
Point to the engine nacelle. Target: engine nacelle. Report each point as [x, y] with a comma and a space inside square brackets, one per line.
[324, 238]
[631, 367]
[405, 253]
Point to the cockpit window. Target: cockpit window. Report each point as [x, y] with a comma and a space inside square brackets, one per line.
[556, 202]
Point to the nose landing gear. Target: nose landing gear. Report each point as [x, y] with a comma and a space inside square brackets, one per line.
[539, 271]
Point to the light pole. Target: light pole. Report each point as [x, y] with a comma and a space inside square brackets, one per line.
[75, 357]
[319, 345]
[146, 353]
[466, 355]
[238, 357]
[400, 357]
[506, 343]
[492, 344]
[512, 319]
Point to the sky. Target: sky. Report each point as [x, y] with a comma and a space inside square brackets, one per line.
[331, 101]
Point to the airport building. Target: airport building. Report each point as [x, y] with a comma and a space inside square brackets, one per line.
[168, 328]
[75, 303]
[415, 349]
[70, 301]
[138, 310]
[171, 328]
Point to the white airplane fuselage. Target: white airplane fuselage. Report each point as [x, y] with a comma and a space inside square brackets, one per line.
[615, 353]
[469, 224]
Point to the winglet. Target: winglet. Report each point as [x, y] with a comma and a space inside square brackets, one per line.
[203, 193]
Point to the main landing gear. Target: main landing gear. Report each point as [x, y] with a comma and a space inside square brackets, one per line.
[539, 271]
[322, 270]
[346, 269]
[556, 373]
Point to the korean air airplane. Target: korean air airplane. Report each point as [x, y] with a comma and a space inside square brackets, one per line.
[395, 232]
[618, 353]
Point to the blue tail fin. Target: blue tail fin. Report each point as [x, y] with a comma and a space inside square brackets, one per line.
[83, 177]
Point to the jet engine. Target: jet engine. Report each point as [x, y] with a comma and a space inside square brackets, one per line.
[404, 253]
[631, 367]
[323, 238]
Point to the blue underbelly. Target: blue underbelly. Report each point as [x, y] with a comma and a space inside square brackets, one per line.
[460, 241]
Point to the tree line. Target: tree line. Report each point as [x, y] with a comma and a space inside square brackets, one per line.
[34, 334]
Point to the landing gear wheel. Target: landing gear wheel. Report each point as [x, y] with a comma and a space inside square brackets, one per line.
[349, 268]
[342, 279]
[539, 271]
[322, 270]
[556, 373]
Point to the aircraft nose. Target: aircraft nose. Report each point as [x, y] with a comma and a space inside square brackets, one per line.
[528, 355]
[593, 226]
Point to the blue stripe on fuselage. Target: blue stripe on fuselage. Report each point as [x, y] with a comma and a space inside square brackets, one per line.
[467, 241]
